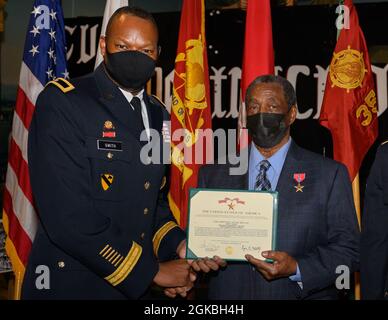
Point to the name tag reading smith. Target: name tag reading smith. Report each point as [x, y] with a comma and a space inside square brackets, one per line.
[109, 145]
[231, 223]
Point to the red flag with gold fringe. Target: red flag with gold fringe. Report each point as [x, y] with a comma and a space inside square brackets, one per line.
[190, 110]
[349, 108]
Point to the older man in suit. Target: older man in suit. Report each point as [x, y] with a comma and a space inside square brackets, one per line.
[317, 226]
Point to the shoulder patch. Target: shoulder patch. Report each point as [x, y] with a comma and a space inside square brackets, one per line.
[385, 142]
[159, 100]
[63, 84]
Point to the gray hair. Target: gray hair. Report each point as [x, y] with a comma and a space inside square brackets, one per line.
[288, 89]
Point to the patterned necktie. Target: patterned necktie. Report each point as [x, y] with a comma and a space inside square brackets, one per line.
[262, 182]
[136, 104]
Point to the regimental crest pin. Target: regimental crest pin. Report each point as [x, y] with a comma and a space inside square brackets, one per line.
[299, 178]
[106, 181]
[108, 125]
[109, 130]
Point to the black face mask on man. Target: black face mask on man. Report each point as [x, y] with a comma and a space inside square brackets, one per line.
[130, 69]
[267, 129]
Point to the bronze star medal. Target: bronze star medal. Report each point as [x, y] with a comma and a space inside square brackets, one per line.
[299, 177]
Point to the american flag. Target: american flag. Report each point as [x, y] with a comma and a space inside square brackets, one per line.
[44, 60]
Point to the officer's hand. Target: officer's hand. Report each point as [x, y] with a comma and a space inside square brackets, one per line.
[174, 273]
[283, 266]
[204, 265]
[182, 291]
[207, 264]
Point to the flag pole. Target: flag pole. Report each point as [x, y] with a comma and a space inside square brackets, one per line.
[356, 199]
[17, 266]
[18, 286]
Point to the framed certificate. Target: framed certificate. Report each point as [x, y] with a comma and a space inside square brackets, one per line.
[231, 223]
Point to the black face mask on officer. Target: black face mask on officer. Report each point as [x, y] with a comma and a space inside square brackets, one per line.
[130, 69]
[267, 129]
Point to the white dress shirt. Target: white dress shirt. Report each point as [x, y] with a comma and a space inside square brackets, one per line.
[144, 113]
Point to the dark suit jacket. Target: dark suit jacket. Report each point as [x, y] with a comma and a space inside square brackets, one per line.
[98, 242]
[374, 231]
[318, 227]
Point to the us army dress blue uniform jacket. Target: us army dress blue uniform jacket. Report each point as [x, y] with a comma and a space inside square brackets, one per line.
[103, 228]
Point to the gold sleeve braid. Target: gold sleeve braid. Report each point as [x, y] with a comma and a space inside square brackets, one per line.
[126, 266]
[161, 233]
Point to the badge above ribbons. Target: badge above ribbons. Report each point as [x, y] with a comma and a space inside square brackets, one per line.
[106, 181]
[109, 130]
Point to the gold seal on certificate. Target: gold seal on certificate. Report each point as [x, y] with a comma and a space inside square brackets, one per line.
[231, 223]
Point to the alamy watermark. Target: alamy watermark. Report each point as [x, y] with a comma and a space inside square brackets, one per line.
[203, 146]
[342, 282]
[343, 19]
[42, 281]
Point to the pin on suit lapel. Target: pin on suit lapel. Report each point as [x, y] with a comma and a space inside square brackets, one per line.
[291, 166]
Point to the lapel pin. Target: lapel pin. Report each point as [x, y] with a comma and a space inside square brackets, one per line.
[108, 125]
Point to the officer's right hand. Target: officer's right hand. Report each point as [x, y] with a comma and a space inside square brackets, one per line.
[173, 292]
[175, 273]
[206, 265]
[201, 265]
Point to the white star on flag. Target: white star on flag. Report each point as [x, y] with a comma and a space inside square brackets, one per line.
[55, 60]
[66, 74]
[53, 14]
[34, 50]
[35, 31]
[51, 53]
[52, 34]
[36, 11]
[49, 73]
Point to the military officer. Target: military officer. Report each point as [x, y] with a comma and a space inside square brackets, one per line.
[104, 233]
[374, 231]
